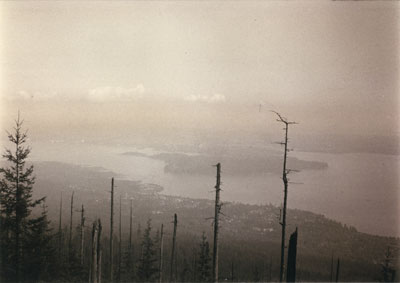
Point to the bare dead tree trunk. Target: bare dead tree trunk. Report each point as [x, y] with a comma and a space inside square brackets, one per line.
[331, 268]
[130, 230]
[120, 240]
[111, 229]
[270, 270]
[216, 223]
[99, 252]
[285, 172]
[232, 271]
[291, 263]
[194, 267]
[82, 234]
[99, 267]
[70, 227]
[130, 254]
[283, 223]
[337, 269]
[176, 263]
[160, 267]
[93, 264]
[59, 230]
[173, 253]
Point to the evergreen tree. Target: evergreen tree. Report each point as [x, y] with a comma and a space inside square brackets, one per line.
[156, 244]
[128, 270]
[185, 272]
[146, 269]
[204, 261]
[16, 203]
[74, 271]
[39, 256]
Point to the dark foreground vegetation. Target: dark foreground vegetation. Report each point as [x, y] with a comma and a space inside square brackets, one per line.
[129, 232]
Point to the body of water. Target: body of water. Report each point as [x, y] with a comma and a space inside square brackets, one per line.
[358, 189]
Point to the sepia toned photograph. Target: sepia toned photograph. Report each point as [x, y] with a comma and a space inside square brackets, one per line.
[199, 141]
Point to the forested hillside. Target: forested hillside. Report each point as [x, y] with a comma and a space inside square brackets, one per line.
[250, 234]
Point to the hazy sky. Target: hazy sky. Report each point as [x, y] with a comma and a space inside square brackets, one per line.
[178, 73]
[333, 66]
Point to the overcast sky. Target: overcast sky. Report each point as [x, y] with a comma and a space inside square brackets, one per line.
[333, 66]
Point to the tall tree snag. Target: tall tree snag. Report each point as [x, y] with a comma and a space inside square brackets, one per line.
[216, 223]
[95, 265]
[120, 239]
[337, 270]
[111, 229]
[99, 252]
[173, 252]
[93, 260]
[130, 251]
[285, 172]
[82, 238]
[70, 228]
[160, 266]
[291, 263]
[59, 230]
[130, 230]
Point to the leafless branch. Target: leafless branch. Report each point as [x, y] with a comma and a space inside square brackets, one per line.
[283, 119]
